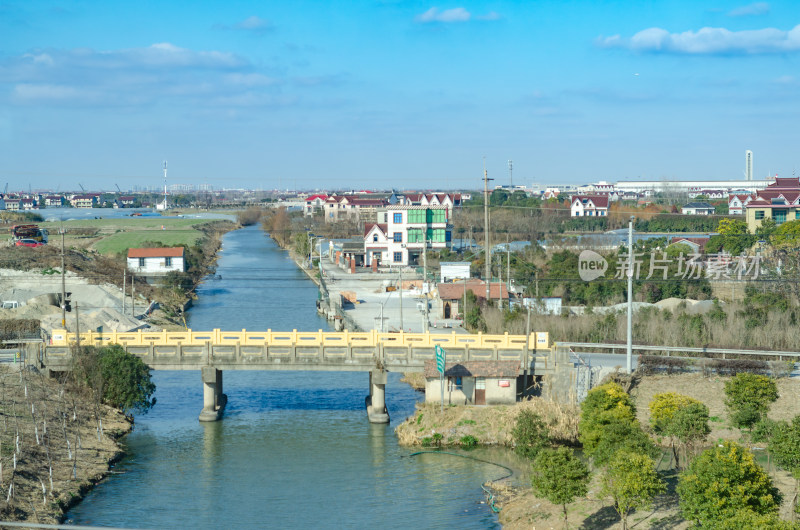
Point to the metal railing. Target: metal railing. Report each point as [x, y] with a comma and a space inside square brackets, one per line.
[684, 349]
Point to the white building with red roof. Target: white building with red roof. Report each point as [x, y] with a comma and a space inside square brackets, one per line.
[589, 206]
[314, 203]
[156, 261]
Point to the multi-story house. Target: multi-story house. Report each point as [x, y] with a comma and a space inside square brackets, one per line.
[314, 203]
[84, 201]
[54, 200]
[737, 202]
[404, 232]
[450, 200]
[589, 206]
[355, 207]
[780, 201]
[13, 204]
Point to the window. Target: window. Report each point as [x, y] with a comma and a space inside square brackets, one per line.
[435, 235]
[797, 214]
[398, 257]
[435, 216]
[759, 214]
[398, 217]
[779, 216]
[168, 262]
[397, 237]
[416, 216]
[448, 236]
[141, 262]
[415, 235]
[374, 237]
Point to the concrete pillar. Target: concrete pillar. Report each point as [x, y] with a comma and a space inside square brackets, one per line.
[376, 401]
[353, 265]
[374, 264]
[338, 256]
[214, 400]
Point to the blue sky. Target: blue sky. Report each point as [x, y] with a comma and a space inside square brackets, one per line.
[394, 93]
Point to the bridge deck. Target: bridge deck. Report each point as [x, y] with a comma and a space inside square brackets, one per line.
[294, 350]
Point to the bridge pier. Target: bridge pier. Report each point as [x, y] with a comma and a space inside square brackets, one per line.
[214, 400]
[376, 400]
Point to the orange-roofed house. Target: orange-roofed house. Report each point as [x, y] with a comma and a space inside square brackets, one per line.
[155, 261]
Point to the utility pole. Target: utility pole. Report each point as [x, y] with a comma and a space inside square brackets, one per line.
[630, 296]
[133, 303]
[508, 270]
[63, 285]
[510, 175]
[400, 290]
[488, 255]
[424, 283]
[527, 365]
[500, 279]
[77, 327]
[124, 285]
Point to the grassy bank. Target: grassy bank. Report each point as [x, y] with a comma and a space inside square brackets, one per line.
[466, 425]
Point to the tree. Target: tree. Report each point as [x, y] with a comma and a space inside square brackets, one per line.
[748, 397]
[630, 479]
[530, 434]
[560, 477]
[785, 448]
[603, 405]
[118, 378]
[690, 426]
[722, 481]
[735, 237]
[621, 434]
[681, 418]
[787, 235]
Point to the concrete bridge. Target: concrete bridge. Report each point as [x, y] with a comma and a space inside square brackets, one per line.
[211, 352]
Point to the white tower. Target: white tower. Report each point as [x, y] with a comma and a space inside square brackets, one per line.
[163, 205]
[748, 165]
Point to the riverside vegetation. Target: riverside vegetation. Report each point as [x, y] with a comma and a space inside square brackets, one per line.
[58, 436]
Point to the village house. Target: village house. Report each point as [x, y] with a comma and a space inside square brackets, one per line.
[314, 203]
[449, 200]
[737, 202]
[698, 208]
[54, 201]
[13, 204]
[589, 206]
[125, 201]
[779, 201]
[696, 244]
[156, 261]
[358, 208]
[84, 201]
[403, 232]
[473, 383]
[453, 294]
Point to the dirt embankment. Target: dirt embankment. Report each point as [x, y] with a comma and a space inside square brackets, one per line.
[521, 509]
[55, 444]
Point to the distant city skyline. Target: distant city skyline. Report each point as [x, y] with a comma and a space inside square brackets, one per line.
[393, 93]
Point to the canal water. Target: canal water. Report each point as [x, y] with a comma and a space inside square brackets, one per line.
[294, 449]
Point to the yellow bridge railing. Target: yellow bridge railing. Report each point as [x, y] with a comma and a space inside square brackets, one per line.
[216, 337]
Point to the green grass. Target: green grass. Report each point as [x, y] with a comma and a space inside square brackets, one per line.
[121, 242]
[123, 234]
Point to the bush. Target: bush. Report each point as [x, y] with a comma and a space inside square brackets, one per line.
[663, 408]
[529, 434]
[748, 397]
[652, 364]
[116, 377]
[721, 482]
[559, 477]
[469, 441]
[603, 405]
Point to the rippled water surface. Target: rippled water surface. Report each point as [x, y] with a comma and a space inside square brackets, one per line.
[295, 449]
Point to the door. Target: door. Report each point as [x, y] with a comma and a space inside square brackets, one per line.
[480, 391]
[447, 310]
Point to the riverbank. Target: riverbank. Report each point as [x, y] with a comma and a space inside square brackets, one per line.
[55, 445]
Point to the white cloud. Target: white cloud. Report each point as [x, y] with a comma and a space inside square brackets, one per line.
[457, 14]
[254, 24]
[755, 9]
[491, 15]
[709, 41]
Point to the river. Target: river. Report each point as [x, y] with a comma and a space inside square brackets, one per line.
[294, 449]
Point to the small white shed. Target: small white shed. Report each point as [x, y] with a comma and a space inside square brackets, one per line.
[153, 261]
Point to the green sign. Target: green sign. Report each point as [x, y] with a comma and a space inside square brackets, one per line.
[440, 359]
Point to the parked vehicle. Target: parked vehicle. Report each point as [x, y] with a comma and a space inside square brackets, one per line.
[29, 232]
[29, 243]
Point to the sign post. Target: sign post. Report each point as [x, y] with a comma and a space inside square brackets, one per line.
[441, 357]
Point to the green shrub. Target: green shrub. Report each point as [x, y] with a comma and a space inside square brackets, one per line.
[529, 434]
[469, 441]
[748, 397]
